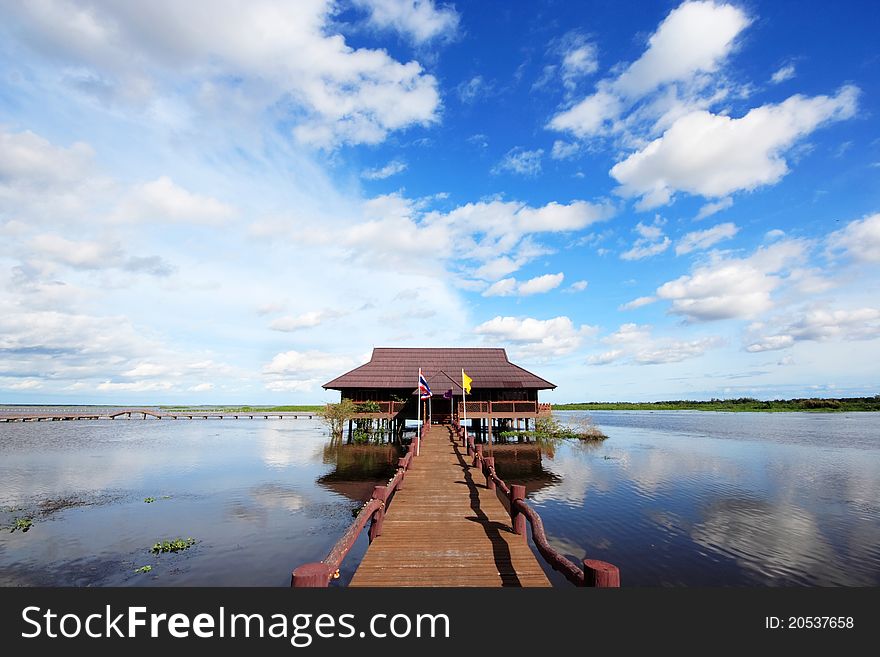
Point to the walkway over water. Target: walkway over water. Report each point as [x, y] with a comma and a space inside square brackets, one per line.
[445, 528]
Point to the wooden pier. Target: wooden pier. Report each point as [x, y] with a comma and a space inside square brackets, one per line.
[446, 529]
[437, 524]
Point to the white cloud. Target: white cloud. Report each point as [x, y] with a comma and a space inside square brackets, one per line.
[694, 39]
[420, 20]
[787, 72]
[713, 155]
[563, 150]
[819, 325]
[339, 94]
[651, 241]
[703, 239]
[714, 207]
[535, 338]
[634, 344]
[134, 386]
[309, 319]
[860, 239]
[520, 161]
[77, 254]
[146, 369]
[303, 371]
[540, 284]
[511, 287]
[578, 286]
[391, 169]
[201, 387]
[162, 200]
[472, 90]
[637, 303]
[29, 158]
[726, 288]
[27, 384]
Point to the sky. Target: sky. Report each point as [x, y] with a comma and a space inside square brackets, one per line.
[235, 201]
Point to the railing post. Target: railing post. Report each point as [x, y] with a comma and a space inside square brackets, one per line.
[311, 575]
[470, 445]
[490, 465]
[379, 493]
[517, 519]
[415, 444]
[601, 574]
[478, 456]
[401, 465]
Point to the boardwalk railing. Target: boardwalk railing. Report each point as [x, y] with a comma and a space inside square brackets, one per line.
[508, 408]
[319, 574]
[591, 572]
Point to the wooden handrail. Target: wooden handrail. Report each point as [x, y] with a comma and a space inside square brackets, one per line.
[592, 572]
[319, 574]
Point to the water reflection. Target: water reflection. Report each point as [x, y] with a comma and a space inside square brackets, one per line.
[776, 499]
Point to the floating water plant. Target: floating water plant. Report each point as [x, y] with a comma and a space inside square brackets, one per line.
[149, 500]
[23, 524]
[177, 545]
[143, 569]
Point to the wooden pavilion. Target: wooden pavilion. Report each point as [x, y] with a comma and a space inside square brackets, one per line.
[502, 394]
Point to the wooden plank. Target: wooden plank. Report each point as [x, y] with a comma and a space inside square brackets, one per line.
[446, 529]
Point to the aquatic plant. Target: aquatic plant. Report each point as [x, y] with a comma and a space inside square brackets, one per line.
[176, 545]
[149, 500]
[143, 569]
[24, 524]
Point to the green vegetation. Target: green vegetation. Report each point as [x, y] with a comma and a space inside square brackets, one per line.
[336, 415]
[23, 524]
[149, 500]
[143, 569]
[177, 545]
[844, 404]
[549, 430]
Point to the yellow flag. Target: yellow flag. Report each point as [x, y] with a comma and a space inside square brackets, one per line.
[466, 382]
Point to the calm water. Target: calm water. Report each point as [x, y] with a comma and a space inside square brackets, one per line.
[673, 498]
[260, 496]
[719, 499]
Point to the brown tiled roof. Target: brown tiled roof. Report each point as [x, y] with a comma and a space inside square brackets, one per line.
[392, 367]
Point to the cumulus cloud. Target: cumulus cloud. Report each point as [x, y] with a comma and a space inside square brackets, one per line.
[339, 94]
[511, 287]
[563, 150]
[694, 39]
[578, 286]
[303, 371]
[816, 324]
[650, 242]
[714, 155]
[859, 240]
[419, 20]
[635, 344]
[520, 161]
[535, 338]
[391, 169]
[703, 239]
[725, 288]
[162, 200]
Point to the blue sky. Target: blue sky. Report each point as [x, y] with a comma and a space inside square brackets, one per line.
[223, 202]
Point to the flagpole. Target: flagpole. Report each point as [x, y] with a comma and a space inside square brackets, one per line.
[464, 407]
[419, 412]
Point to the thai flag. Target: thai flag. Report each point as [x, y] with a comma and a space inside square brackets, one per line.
[424, 390]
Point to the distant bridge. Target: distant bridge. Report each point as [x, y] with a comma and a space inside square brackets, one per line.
[144, 413]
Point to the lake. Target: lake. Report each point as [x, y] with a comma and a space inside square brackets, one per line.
[672, 498]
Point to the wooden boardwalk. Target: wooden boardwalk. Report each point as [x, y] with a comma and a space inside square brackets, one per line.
[444, 528]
